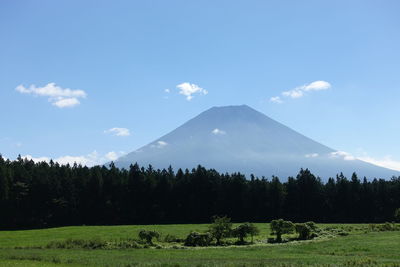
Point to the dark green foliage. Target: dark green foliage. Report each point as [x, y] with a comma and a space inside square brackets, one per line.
[397, 215]
[93, 244]
[78, 244]
[172, 239]
[220, 228]
[148, 236]
[280, 227]
[243, 230]
[306, 230]
[384, 227]
[37, 195]
[303, 230]
[195, 239]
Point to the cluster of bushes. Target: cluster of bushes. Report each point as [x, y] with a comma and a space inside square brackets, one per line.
[222, 228]
[78, 243]
[305, 231]
[384, 227]
[219, 230]
[148, 236]
[195, 239]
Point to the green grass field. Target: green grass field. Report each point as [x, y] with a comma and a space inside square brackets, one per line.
[360, 248]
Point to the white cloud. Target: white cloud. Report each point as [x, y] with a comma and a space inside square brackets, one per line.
[276, 99]
[66, 102]
[312, 155]
[166, 91]
[159, 144]
[188, 89]
[300, 90]
[295, 93]
[386, 162]
[38, 159]
[118, 131]
[217, 131]
[342, 154]
[90, 159]
[112, 155]
[51, 90]
[58, 96]
[316, 86]
[162, 143]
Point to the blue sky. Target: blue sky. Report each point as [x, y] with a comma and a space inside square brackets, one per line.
[119, 57]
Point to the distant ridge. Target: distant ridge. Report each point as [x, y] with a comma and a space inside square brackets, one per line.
[241, 139]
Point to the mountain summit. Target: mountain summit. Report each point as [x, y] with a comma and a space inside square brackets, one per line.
[241, 139]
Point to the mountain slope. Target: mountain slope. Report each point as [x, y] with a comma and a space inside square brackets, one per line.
[239, 138]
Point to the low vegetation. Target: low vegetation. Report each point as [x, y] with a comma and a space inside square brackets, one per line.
[243, 230]
[147, 236]
[307, 244]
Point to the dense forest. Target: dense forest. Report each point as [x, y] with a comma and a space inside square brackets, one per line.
[44, 194]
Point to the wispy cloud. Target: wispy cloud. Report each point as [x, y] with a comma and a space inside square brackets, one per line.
[66, 102]
[56, 95]
[159, 144]
[166, 93]
[386, 162]
[188, 89]
[90, 159]
[301, 90]
[311, 155]
[217, 131]
[112, 156]
[342, 154]
[276, 99]
[118, 131]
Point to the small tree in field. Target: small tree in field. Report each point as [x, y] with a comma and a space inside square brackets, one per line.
[220, 228]
[195, 239]
[148, 236]
[397, 215]
[253, 231]
[280, 227]
[305, 230]
[243, 230]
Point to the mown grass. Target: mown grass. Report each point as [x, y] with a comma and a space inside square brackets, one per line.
[360, 248]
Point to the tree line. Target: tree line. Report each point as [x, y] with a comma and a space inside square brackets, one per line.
[34, 195]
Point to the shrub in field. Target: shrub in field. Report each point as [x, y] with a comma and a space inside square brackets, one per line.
[243, 230]
[280, 227]
[303, 230]
[148, 236]
[123, 244]
[78, 243]
[195, 239]
[172, 239]
[306, 230]
[220, 228]
[313, 226]
[384, 227]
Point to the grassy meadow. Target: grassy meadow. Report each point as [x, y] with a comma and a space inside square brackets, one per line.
[359, 246]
